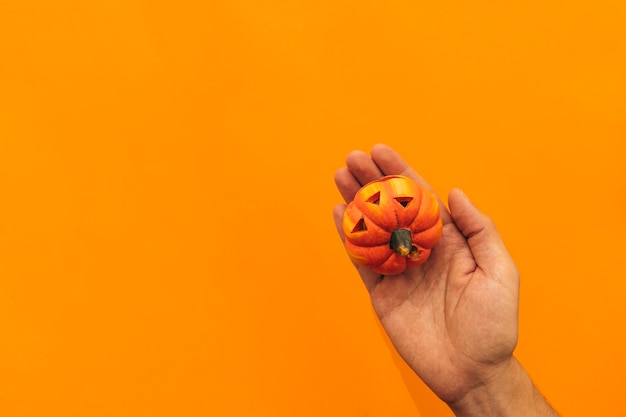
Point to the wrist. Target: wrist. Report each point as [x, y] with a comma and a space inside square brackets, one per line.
[506, 391]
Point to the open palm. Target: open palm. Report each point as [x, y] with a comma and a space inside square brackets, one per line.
[454, 318]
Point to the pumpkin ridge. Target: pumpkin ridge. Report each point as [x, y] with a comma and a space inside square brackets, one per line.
[420, 242]
[376, 266]
[383, 226]
[419, 215]
[427, 228]
[368, 245]
[423, 229]
[385, 260]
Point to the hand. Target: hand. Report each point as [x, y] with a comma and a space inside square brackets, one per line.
[453, 319]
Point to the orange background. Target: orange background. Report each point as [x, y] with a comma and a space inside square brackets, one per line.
[166, 239]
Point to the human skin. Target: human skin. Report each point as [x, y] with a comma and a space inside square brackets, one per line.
[453, 319]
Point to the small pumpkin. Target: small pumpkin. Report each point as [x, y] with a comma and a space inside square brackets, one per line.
[391, 225]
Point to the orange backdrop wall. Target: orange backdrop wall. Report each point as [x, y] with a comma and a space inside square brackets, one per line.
[166, 187]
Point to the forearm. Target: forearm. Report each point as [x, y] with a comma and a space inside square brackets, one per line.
[510, 393]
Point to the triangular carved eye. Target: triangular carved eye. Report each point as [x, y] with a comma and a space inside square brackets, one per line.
[404, 201]
[360, 226]
[375, 199]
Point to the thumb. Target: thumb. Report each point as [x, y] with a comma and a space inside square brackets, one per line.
[483, 239]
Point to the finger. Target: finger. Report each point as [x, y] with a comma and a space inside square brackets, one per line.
[362, 167]
[483, 239]
[390, 162]
[369, 277]
[338, 215]
[347, 184]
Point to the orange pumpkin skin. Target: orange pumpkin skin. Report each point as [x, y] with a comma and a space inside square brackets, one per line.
[391, 204]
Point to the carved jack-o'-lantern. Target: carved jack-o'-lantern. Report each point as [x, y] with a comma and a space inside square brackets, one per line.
[392, 224]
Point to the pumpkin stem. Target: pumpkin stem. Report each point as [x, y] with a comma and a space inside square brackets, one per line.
[401, 242]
